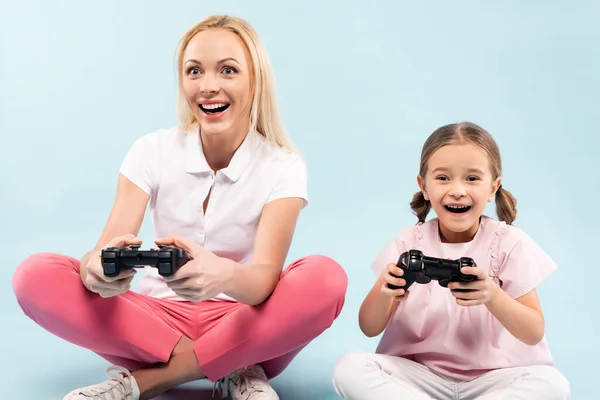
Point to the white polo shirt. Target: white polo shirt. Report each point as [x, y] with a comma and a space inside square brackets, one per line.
[170, 166]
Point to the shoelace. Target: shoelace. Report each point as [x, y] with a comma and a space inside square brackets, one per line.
[243, 380]
[102, 390]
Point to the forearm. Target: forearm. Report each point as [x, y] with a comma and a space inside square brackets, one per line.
[523, 322]
[250, 284]
[376, 310]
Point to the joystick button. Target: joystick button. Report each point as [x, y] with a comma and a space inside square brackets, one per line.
[164, 269]
[110, 268]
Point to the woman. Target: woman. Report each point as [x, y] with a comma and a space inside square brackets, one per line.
[227, 187]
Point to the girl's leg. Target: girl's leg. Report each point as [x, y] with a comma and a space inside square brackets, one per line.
[306, 301]
[520, 383]
[139, 333]
[367, 376]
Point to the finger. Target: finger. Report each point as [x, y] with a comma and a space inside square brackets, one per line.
[468, 303]
[127, 274]
[188, 270]
[110, 293]
[98, 274]
[183, 283]
[395, 270]
[189, 295]
[394, 281]
[393, 292]
[176, 241]
[467, 294]
[473, 285]
[189, 292]
[107, 291]
[100, 286]
[478, 272]
[125, 277]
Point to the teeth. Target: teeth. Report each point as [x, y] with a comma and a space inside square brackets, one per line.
[213, 106]
[457, 207]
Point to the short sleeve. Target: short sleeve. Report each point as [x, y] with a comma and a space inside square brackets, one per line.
[392, 251]
[292, 183]
[525, 266]
[140, 162]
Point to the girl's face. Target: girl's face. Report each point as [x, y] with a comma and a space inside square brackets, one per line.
[217, 82]
[459, 184]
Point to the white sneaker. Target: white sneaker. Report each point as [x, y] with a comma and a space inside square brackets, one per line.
[120, 386]
[249, 383]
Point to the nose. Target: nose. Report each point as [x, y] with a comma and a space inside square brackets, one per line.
[208, 85]
[457, 189]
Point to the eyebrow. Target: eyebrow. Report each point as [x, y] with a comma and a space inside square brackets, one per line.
[444, 169]
[220, 61]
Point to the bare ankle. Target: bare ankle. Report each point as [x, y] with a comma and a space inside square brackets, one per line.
[184, 345]
[181, 368]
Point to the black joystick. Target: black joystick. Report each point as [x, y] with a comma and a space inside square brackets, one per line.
[167, 259]
[423, 269]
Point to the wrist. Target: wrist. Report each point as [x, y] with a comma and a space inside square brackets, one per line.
[230, 269]
[495, 295]
[83, 266]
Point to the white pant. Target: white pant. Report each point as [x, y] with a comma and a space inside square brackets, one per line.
[368, 376]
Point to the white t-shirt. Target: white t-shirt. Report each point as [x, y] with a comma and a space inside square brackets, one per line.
[170, 166]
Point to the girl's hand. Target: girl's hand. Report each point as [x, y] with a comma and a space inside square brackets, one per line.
[203, 277]
[387, 277]
[479, 291]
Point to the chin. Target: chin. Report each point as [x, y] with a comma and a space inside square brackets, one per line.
[214, 128]
[462, 225]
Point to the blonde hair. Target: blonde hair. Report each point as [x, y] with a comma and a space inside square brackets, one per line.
[465, 132]
[264, 113]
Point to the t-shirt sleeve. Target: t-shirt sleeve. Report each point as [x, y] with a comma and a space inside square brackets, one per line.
[140, 162]
[525, 266]
[292, 183]
[392, 251]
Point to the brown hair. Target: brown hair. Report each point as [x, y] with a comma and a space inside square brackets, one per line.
[465, 132]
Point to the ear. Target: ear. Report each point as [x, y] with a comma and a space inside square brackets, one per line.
[421, 184]
[495, 186]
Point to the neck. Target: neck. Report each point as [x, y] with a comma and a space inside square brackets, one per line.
[219, 149]
[448, 236]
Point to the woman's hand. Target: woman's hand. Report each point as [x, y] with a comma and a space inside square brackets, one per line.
[479, 291]
[203, 277]
[95, 280]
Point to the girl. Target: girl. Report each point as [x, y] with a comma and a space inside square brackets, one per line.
[227, 186]
[478, 340]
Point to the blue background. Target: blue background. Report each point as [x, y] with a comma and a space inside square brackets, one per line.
[361, 87]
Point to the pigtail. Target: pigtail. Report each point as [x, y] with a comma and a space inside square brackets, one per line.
[506, 206]
[420, 206]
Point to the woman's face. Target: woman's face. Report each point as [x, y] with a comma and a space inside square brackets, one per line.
[217, 82]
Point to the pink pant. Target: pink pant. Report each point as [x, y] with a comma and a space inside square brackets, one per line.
[136, 331]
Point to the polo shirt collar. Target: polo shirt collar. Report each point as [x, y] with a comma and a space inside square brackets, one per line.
[196, 161]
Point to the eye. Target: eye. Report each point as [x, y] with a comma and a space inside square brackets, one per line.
[229, 70]
[473, 178]
[442, 178]
[193, 71]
